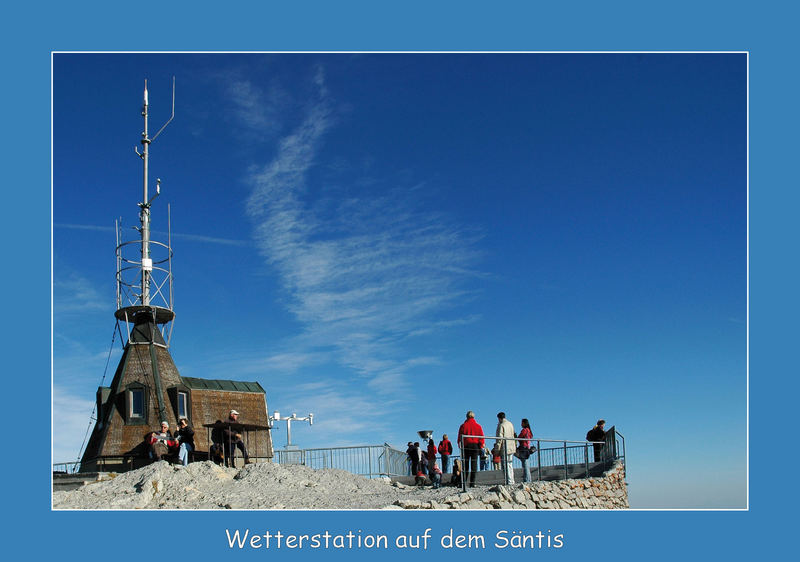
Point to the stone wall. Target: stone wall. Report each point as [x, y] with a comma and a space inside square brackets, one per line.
[605, 492]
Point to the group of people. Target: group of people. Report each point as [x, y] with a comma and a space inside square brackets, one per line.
[472, 442]
[164, 443]
[422, 462]
[508, 445]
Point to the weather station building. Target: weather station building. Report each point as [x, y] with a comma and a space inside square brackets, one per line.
[147, 388]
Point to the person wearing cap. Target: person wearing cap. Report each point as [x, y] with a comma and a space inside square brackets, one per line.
[597, 433]
[159, 442]
[233, 439]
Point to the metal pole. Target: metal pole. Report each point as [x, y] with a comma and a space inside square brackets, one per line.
[504, 463]
[539, 458]
[586, 458]
[144, 216]
[565, 461]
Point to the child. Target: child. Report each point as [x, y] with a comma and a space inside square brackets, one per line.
[496, 457]
[436, 475]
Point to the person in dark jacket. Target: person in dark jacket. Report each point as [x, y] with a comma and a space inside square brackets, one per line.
[412, 459]
[231, 439]
[185, 436]
[445, 450]
[598, 433]
[470, 439]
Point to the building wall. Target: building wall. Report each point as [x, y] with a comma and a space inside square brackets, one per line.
[208, 406]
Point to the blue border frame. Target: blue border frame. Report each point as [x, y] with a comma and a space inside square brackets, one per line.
[361, 25]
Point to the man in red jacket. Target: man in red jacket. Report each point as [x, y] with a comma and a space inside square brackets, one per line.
[470, 440]
[445, 449]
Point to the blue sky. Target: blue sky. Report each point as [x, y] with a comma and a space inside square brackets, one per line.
[390, 240]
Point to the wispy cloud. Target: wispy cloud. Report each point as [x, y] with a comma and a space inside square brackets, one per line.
[257, 108]
[182, 236]
[363, 273]
[73, 293]
[71, 418]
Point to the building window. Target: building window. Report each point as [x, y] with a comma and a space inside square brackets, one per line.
[137, 403]
[180, 398]
[136, 398]
[183, 401]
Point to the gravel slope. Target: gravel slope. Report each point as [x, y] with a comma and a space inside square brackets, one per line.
[204, 485]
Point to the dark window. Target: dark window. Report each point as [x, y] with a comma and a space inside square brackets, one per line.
[136, 399]
[182, 405]
[137, 403]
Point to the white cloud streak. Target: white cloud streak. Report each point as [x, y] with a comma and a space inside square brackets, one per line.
[363, 273]
[191, 237]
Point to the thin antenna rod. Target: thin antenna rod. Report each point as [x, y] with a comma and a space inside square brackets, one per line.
[173, 112]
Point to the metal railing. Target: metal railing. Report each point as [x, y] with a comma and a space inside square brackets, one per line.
[370, 461]
[567, 459]
[66, 467]
[563, 459]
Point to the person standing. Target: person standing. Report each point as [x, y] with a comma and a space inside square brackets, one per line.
[598, 433]
[231, 439]
[185, 436]
[524, 450]
[418, 458]
[496, 457]
[431, 454]
[436, 474]
[484, 455]
[445, 450]
[508, 446]
[470, 440]
[412, 459]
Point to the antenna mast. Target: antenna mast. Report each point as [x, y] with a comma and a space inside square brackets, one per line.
[137, 297]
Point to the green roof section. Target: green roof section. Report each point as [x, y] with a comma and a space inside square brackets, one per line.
[221, 384]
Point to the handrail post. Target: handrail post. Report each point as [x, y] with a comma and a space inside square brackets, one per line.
[463, 470]
[539, 458]
[565, 460]
[586, 458]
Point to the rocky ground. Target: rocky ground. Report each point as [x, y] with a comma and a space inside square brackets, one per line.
[204, 485]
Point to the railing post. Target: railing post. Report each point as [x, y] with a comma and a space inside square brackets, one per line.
[565, 461]
[539, 459]
[369, 460]
[463, 472]
[504, 464]
[586, 458]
